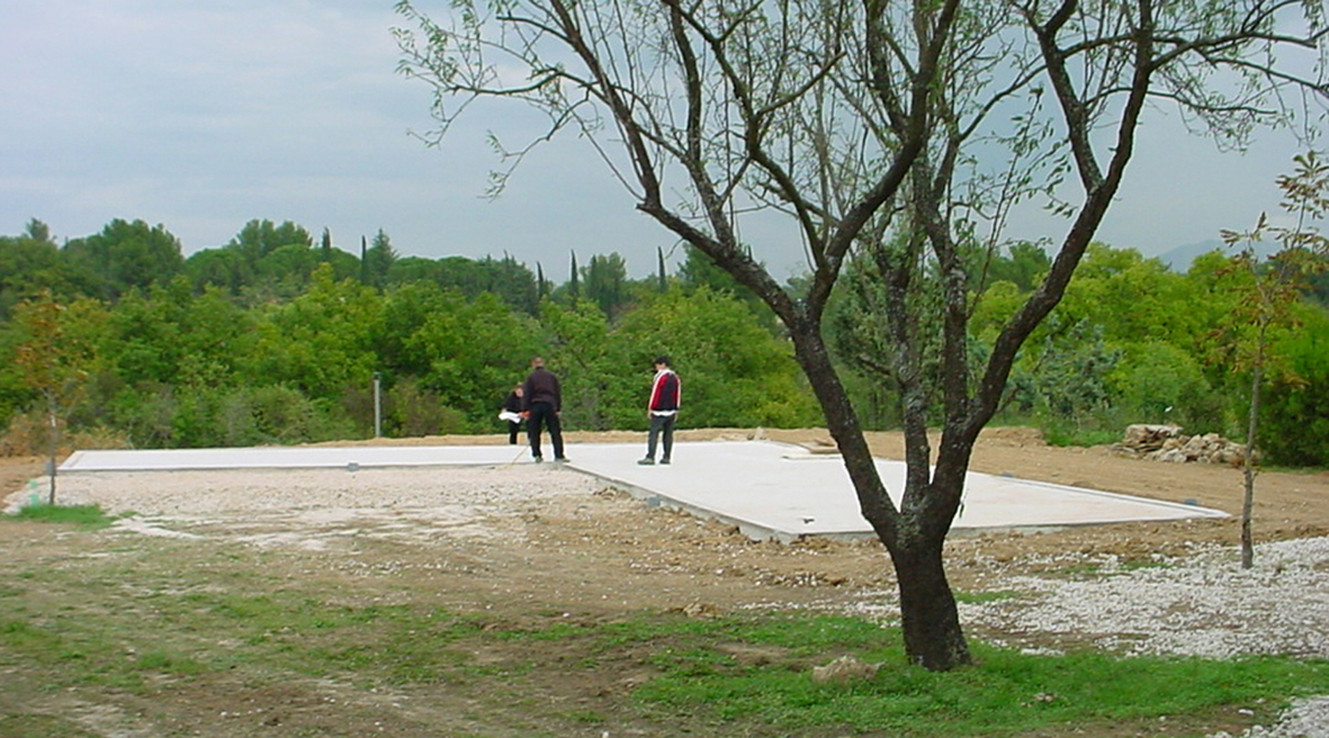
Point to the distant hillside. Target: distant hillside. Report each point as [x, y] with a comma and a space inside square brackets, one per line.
[1180, 258]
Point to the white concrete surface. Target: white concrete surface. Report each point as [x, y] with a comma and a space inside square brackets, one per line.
[769, 490]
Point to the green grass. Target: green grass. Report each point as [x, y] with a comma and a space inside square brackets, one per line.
[1064, 435]
[980, 598]
[85, 516]
[1095, 570]
[1007, 693]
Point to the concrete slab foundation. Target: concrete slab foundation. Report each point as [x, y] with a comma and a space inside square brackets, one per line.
[767, 489]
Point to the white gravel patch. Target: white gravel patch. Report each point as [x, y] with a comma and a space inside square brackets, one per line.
[195, 493]
[311, 508]
[1304, 718]
[1204, 605]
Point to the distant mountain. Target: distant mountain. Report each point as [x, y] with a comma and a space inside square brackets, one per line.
[1180, 258]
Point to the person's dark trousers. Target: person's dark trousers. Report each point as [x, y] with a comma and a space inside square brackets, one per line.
[512, 431]
[543, 415]
[659, 424]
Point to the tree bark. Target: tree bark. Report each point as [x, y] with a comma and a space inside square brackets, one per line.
[53, 444]
[932, 634]
[1248, 464]
[933, 637]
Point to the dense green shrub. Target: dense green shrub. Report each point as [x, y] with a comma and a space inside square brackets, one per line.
[1157, 382]
[1294, 417]
[411, 410]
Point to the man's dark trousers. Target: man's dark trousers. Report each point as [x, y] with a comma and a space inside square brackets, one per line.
[661, 424]
[543, 415]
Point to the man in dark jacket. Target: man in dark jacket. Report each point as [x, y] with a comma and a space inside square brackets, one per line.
[666, 392]
[543, 400]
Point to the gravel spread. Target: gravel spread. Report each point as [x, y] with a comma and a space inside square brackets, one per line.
[1304, 718]
[1201, 605]
[308, 508]
[191, 493]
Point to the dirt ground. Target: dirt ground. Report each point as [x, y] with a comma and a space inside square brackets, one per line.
[606, 554]
[1287, 504]
[715, 567]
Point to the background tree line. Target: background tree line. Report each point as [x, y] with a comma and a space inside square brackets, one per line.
[272, 338]
[275, 338]
[1132, 342]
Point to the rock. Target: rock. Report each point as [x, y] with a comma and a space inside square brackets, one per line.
[844, 669]
[701, 610]
[1145, 437]
[1166, 443]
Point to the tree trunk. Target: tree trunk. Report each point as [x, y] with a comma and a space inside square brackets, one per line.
[933, 637]
[1248, 464]
[52, 445]
[932, 634]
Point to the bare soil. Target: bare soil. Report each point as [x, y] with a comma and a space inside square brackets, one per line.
[605, 556]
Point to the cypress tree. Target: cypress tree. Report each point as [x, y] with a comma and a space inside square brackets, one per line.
[574, 289]
[364, 261]
[659, 255]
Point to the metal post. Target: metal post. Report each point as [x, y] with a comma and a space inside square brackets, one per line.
[54, 447]
[378, 405]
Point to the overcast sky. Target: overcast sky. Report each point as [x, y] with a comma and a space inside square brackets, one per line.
[201, 116]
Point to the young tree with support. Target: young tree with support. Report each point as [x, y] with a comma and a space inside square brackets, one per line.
[858, 122]
[1274, 287]
[49, 361]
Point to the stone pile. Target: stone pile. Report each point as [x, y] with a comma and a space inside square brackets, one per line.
[1168, 443]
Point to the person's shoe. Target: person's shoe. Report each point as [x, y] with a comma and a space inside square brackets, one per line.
[561, 459]
[665, 460]
[648, 461]
[538, 459]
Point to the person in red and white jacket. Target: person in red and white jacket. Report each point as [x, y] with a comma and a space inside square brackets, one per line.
[666, 391]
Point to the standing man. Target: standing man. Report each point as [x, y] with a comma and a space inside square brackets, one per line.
[663, 410]
[542, 400]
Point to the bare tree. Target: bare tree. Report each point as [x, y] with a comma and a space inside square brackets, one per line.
[859, 122]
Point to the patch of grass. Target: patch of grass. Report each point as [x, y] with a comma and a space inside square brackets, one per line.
[1091, 570]
[89, 517]
[585, 717]
[1009, 693]
[43, 725]
[980, 598]
[1067, 435]
[163, 662]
